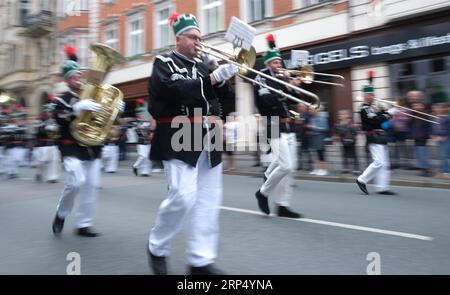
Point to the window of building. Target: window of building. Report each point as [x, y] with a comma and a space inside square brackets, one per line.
[256, 10]
[164, 37]
[112, 36]
[135, 35]
[305, 3]
[83, 43]
[211, 16]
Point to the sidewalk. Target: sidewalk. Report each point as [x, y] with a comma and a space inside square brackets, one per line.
[400, 177]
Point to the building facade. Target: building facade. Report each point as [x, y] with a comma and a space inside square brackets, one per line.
[28, 59]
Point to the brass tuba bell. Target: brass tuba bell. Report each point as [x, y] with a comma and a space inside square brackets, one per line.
[92, 128]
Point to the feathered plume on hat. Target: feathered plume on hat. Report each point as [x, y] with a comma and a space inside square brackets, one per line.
[271, 41]
[369, 89]
[70, 66]
[273, 52]
[370, 76]
[71, 53]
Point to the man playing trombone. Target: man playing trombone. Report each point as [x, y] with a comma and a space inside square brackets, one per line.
[183, 93]
[372, 123]
[274, 107]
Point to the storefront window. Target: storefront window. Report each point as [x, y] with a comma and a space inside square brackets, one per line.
[431, 76]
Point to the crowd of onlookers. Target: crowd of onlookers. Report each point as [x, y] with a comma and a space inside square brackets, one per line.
[411, 140]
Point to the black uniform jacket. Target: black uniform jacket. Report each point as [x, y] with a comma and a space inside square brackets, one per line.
[272, 104]
[63, 114]
[371, 121]
[182, 87]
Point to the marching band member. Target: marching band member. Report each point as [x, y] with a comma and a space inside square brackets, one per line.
[372, 121]
[142, 166]
[273, 106]
[16, 136]
[47, 153]
[183, 89]
[110, 152]
[82, 164]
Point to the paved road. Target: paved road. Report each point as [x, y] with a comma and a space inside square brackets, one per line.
[410, 232]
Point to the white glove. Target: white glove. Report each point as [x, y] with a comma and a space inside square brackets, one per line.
[51, 127]
[225, 72]
[392, 111]
[121, 106]
[85, 105]
[211, 61]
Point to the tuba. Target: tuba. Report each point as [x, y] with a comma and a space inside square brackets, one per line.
[92, 128]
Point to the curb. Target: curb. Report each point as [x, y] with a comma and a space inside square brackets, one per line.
[395, 182]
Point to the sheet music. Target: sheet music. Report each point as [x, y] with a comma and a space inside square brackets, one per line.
[240, 34]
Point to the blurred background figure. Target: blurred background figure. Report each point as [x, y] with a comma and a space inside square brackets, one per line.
[110, 151]
[318, 128]
[401, 132]
[142, 166]
[15, 135]
[122, 142]
[304, 153]
[440, 134]
[230, 138]
[347, 131]
[46, 150]
[420, 132]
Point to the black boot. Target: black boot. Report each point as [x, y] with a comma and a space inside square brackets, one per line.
[157, 263]
[286, 212]
[209, 269]
[86, 232]
[58, 224]
[263, 203]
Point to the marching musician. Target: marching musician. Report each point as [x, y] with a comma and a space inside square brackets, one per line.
[142, 166]
[183, 96]
[47, 153]
[110, 152]
[81, 163]
[16, 138]
[373, 121]
[275, 108]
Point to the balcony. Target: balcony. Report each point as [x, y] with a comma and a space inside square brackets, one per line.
[39, 25]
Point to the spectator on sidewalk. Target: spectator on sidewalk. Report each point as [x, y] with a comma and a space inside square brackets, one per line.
[304, 153]
[318, 127]
[440, 133]
[400, 133]
[347, 130]
[420, 132]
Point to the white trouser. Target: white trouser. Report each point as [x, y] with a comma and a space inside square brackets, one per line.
[48, 162]
[279, 173]
[13, 158]
[110, 155]
[23, 156]
[379, 169]
[195, 194]
[143, 162]
[34, 157]
[83, 177]
[2, 160]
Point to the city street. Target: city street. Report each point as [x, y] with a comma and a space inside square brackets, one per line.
[341, 233]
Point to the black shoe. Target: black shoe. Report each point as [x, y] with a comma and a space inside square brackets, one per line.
[388, 193]
[86, 232]
[38, 178]
[52, 181]
[264, 177]
[362, 186]
[145, 175]
[157, 263]
[207, 270]
[286, 212]
[135, 171]
[58, 224]
[263, 203]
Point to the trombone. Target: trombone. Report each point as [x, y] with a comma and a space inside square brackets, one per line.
[306, 74]
[245, 60]
[393, 103]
